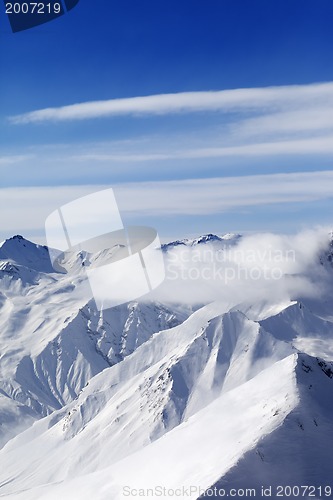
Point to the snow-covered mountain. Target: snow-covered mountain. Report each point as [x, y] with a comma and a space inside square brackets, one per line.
[52, 341]
[224, 240]
[151, 395]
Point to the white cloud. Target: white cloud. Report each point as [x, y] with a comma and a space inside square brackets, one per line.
[263, 267]
[158, 158]
[311, 119]
[289, 121]
[317, 145]
[11, 159]
[217, 195]
[250, 99]
[26, 209]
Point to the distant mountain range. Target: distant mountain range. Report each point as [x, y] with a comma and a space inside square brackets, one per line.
[160, 397]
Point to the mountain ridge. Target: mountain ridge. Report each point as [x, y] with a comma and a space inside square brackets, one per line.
[125, 393]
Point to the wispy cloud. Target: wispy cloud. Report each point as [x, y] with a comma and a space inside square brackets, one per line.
[25, 209]
[317, 145]
[161, 159]
[312, 119]
[12, 159]
[251, 99]
[261, 266]
[221, 194]
[242, 129]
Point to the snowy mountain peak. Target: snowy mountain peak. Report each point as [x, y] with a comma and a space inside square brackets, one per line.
[20, 251]
[210, 238]
[16, 240]
[227, 238]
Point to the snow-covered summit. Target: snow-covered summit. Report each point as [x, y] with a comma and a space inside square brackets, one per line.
[228, 238]
[25, 253]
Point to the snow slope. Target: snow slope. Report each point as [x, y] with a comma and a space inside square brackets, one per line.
[164, 383]
[149, 395]
[25, 253]
[273, 417]
[53, 341]
[298, 452]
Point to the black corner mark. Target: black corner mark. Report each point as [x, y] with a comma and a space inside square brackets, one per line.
[70, 4]
[26, 14]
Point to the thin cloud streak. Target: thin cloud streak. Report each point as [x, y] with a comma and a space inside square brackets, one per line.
[12, 159]
[318, 145]
[312, 119]
[222, 194]
[248, 99]
[31, 165]
[27, 208]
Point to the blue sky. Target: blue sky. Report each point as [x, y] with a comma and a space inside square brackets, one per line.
[183, 108]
